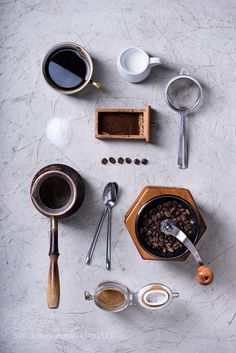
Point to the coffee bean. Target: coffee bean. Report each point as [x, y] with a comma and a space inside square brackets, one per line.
[120, 160]
[176, 245]
[128, 160]
[112, 160]
[151, 222]
[104, 161]
[169, 248]
[144, 161]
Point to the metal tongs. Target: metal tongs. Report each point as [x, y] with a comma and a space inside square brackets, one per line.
[204, 274]
[110, 194]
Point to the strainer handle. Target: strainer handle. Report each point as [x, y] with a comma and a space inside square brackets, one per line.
[182, 153]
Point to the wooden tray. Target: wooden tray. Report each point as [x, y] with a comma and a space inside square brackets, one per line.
[148, 193]
[132, 124]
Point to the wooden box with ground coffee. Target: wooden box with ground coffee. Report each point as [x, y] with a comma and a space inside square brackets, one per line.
[133, 124]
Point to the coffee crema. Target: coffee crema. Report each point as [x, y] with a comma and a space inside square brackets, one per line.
[67, 69]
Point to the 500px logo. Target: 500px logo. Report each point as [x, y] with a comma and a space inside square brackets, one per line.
[32, 324]
[46, 328]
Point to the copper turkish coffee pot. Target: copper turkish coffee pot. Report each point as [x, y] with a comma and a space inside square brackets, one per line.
[57, 191]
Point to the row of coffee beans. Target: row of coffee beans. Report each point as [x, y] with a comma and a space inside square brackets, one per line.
[121, 160]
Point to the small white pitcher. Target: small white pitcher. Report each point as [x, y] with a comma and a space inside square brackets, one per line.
[134, 64]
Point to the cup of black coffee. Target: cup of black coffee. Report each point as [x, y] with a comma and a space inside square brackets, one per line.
[68, 68]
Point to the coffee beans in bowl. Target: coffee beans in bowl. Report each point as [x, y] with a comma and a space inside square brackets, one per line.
[149, 220]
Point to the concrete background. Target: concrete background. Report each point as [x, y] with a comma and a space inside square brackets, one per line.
[199, 35]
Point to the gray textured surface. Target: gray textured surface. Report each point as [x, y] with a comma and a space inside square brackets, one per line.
[199, 35]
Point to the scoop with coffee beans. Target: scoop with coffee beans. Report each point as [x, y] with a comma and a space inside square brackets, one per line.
[151, 220]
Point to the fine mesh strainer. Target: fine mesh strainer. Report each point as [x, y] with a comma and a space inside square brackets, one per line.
[183, 94]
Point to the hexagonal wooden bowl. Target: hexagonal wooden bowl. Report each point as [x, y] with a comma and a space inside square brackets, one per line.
[148, 193]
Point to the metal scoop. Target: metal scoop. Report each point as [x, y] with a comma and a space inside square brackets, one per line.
[110, 194]
[110, 204]
[204, 274]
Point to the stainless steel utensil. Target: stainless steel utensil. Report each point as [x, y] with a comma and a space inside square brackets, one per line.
[109, 199]
[183, 94]
[204, 274]
[110, 204]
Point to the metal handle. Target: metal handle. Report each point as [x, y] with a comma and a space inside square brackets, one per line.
[92, 247]
[182, 153]
[108, 250]
[95, 84]
[169, 228]
[88, 296]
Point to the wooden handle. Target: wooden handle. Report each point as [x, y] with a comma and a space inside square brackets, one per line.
[53, 273]
[204, 275]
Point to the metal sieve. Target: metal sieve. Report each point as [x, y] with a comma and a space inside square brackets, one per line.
[183, 94]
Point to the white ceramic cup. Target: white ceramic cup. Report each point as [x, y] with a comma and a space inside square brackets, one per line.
[134, 64]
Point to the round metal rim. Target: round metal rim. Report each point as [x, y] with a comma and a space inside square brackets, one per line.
[177, 78]
[158, 198]
[46, 212]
